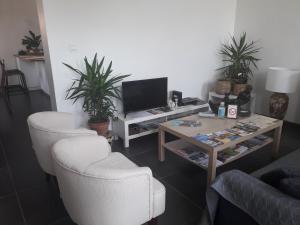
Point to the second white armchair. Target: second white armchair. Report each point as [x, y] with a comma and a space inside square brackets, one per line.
[100, 187]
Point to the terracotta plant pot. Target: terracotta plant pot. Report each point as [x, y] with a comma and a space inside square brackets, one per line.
[223, 87]
[238, 88]
[101, 127]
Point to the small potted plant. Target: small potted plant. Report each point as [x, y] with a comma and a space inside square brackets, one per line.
[32, 43]
[239, 58]
[96, 86]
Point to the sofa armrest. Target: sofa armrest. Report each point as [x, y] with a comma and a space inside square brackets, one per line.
[262, 202]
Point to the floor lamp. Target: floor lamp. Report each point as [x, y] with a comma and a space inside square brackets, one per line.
[281, 81]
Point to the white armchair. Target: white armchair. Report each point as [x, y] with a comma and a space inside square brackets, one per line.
[100, 187]
[46, 128]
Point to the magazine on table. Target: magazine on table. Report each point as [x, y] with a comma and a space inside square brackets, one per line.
[225, 136]
[189, 151]
[202, 159]
[232, 152]
[195, 154]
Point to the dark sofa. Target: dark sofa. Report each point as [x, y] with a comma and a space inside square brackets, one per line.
[229, 214]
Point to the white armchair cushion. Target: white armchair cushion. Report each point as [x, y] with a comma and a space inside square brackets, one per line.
[100, 187]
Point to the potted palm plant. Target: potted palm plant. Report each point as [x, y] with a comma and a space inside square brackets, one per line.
[32, 42]
[239, 58]
[96, 86]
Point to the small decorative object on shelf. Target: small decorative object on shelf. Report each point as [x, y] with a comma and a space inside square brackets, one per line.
[281, 81]
[221, 110]
[245, 102]
[32, 43]
[172, 105]
[97, 87]
[177, 97]
[232, 111]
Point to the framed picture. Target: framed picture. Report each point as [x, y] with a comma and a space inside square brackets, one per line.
[232, 111]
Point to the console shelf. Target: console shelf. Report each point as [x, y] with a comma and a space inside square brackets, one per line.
[121, 126]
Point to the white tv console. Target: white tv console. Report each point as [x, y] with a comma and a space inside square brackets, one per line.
[149, 122]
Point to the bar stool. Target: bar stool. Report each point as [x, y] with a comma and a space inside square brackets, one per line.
[6, 89]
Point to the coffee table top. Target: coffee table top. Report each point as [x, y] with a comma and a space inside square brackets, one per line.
[192, 128]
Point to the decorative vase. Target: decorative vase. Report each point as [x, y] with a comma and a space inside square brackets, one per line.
[223, 87]
[278, 105]
[101, 127]
[238, 88]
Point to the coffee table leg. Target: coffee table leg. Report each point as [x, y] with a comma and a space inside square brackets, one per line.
[161, 142]
[276, 141]
[212, 167]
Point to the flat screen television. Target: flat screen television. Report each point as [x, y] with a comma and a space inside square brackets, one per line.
[144, 94]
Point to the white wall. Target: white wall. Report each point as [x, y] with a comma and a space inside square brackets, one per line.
[174, 38]
[17, 17]
[48, 69]
[275, 24]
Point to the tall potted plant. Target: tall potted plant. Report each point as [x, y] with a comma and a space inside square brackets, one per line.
[96, 86]
[239, 58]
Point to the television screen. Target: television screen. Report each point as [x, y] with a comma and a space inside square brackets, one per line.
[144, 94]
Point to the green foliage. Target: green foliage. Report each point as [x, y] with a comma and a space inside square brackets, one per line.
[32, 42]
[239, 58]
[97, 87]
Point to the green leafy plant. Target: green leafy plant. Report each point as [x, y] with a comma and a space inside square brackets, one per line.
[97, 87]
[32, 42]
[239, 58]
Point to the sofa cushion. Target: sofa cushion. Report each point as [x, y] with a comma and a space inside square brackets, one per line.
[274, 177]
[291, 186]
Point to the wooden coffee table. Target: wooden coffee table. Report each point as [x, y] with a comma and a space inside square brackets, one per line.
[187, 133]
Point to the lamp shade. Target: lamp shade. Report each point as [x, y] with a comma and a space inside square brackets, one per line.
[282, 80]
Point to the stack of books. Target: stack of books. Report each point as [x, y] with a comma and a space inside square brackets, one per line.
[229, 153]
[194, 153]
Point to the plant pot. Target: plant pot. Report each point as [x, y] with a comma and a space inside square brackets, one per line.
[238, 88]
[101, 127]
[223, 87]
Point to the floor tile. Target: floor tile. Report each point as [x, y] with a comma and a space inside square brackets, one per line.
[172, 164]
[137, 146]
[6, 187]
[27, 175]
[42, 205]
[2, 160]
[10, 213]
[179, 209]
[191, 184]
[64, 221]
